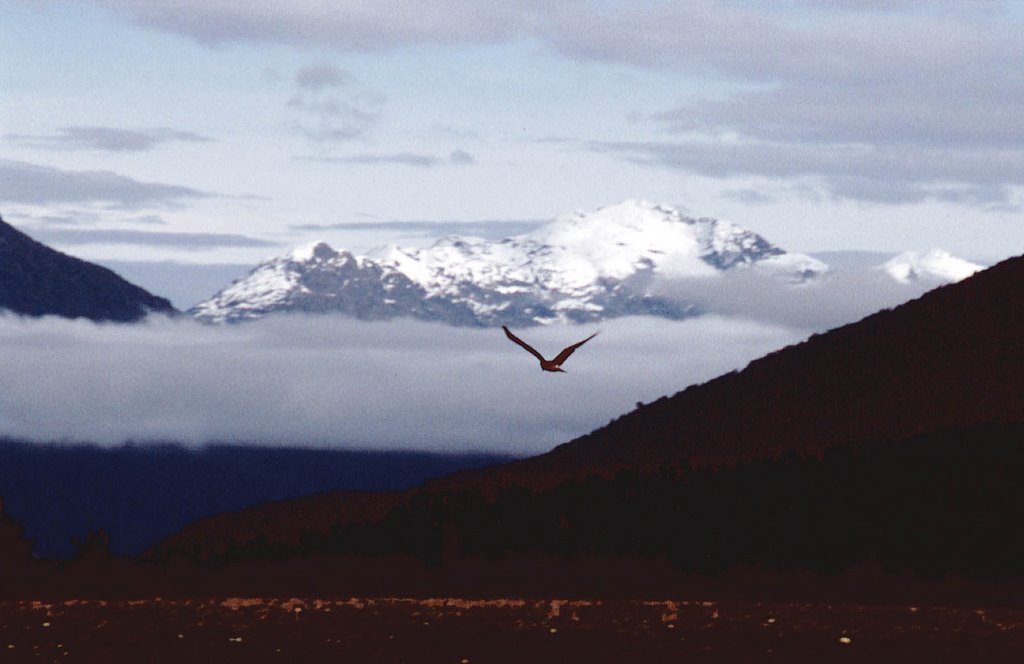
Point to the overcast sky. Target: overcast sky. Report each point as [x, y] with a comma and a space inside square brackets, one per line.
[224, 132]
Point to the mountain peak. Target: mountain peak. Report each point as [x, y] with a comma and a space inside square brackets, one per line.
[579, 267]
[630, 212]
[318, 250]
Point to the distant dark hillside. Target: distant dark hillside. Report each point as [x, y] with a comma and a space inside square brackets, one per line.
[139, 494]
[931, 520]
[36, 280]
[937, 505]
[953, 358]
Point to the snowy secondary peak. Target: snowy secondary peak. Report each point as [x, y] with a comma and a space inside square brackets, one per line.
[312, 278]
[936, 265]
[639, 230]
[579, 267]
[318, 250]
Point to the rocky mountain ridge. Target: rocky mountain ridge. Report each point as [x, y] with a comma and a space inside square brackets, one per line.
[579, 268]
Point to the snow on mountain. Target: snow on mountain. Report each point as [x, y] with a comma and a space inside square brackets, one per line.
[580, 267]
[935, 265]
[318, 279]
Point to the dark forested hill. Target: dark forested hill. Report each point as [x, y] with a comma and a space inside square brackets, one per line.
[36, 280]
[953, 358]
[138, 494]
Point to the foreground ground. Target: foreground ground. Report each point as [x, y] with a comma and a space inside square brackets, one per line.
[511, 630]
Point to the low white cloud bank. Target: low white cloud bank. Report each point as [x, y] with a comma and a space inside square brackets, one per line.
[326, 381]
[836, 298]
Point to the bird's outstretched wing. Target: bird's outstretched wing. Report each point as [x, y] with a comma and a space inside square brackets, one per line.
[526, 345]
[564, 355]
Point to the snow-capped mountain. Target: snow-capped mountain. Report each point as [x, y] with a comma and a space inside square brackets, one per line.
[579, 267]
[936, 265]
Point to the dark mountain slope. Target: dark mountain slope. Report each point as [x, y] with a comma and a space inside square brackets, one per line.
[139, 494]
[953, 358]
[870, 523]
[36, 280]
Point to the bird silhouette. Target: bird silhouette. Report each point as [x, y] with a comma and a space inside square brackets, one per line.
[549, 365]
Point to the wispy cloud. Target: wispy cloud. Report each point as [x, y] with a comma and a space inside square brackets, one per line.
[22, 182]
[329, 106]
[897, 104]
[396, 158]
[347, 26]
[169, 239]
[86, 218]
[321, 76]
[884, 173]
[747, 196]
[461, 158]
[419, 160]
[108, 139]
[496, 229]
[458, 134]
[896, 101]
[751, 41]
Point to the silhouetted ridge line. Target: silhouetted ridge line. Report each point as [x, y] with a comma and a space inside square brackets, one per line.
[930, 507]
[36, 280]
[141, 493]
[951, 358]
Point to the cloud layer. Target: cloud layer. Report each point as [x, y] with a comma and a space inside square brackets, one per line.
[107, 139]
[839, 297]
[337, 382]
[419, 160]
[178, 240]
[885, 102]
[329, 107]
[333, 381]
[22, 182]
[495, 230]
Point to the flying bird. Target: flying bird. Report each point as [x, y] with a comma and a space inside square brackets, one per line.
[549, 365]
